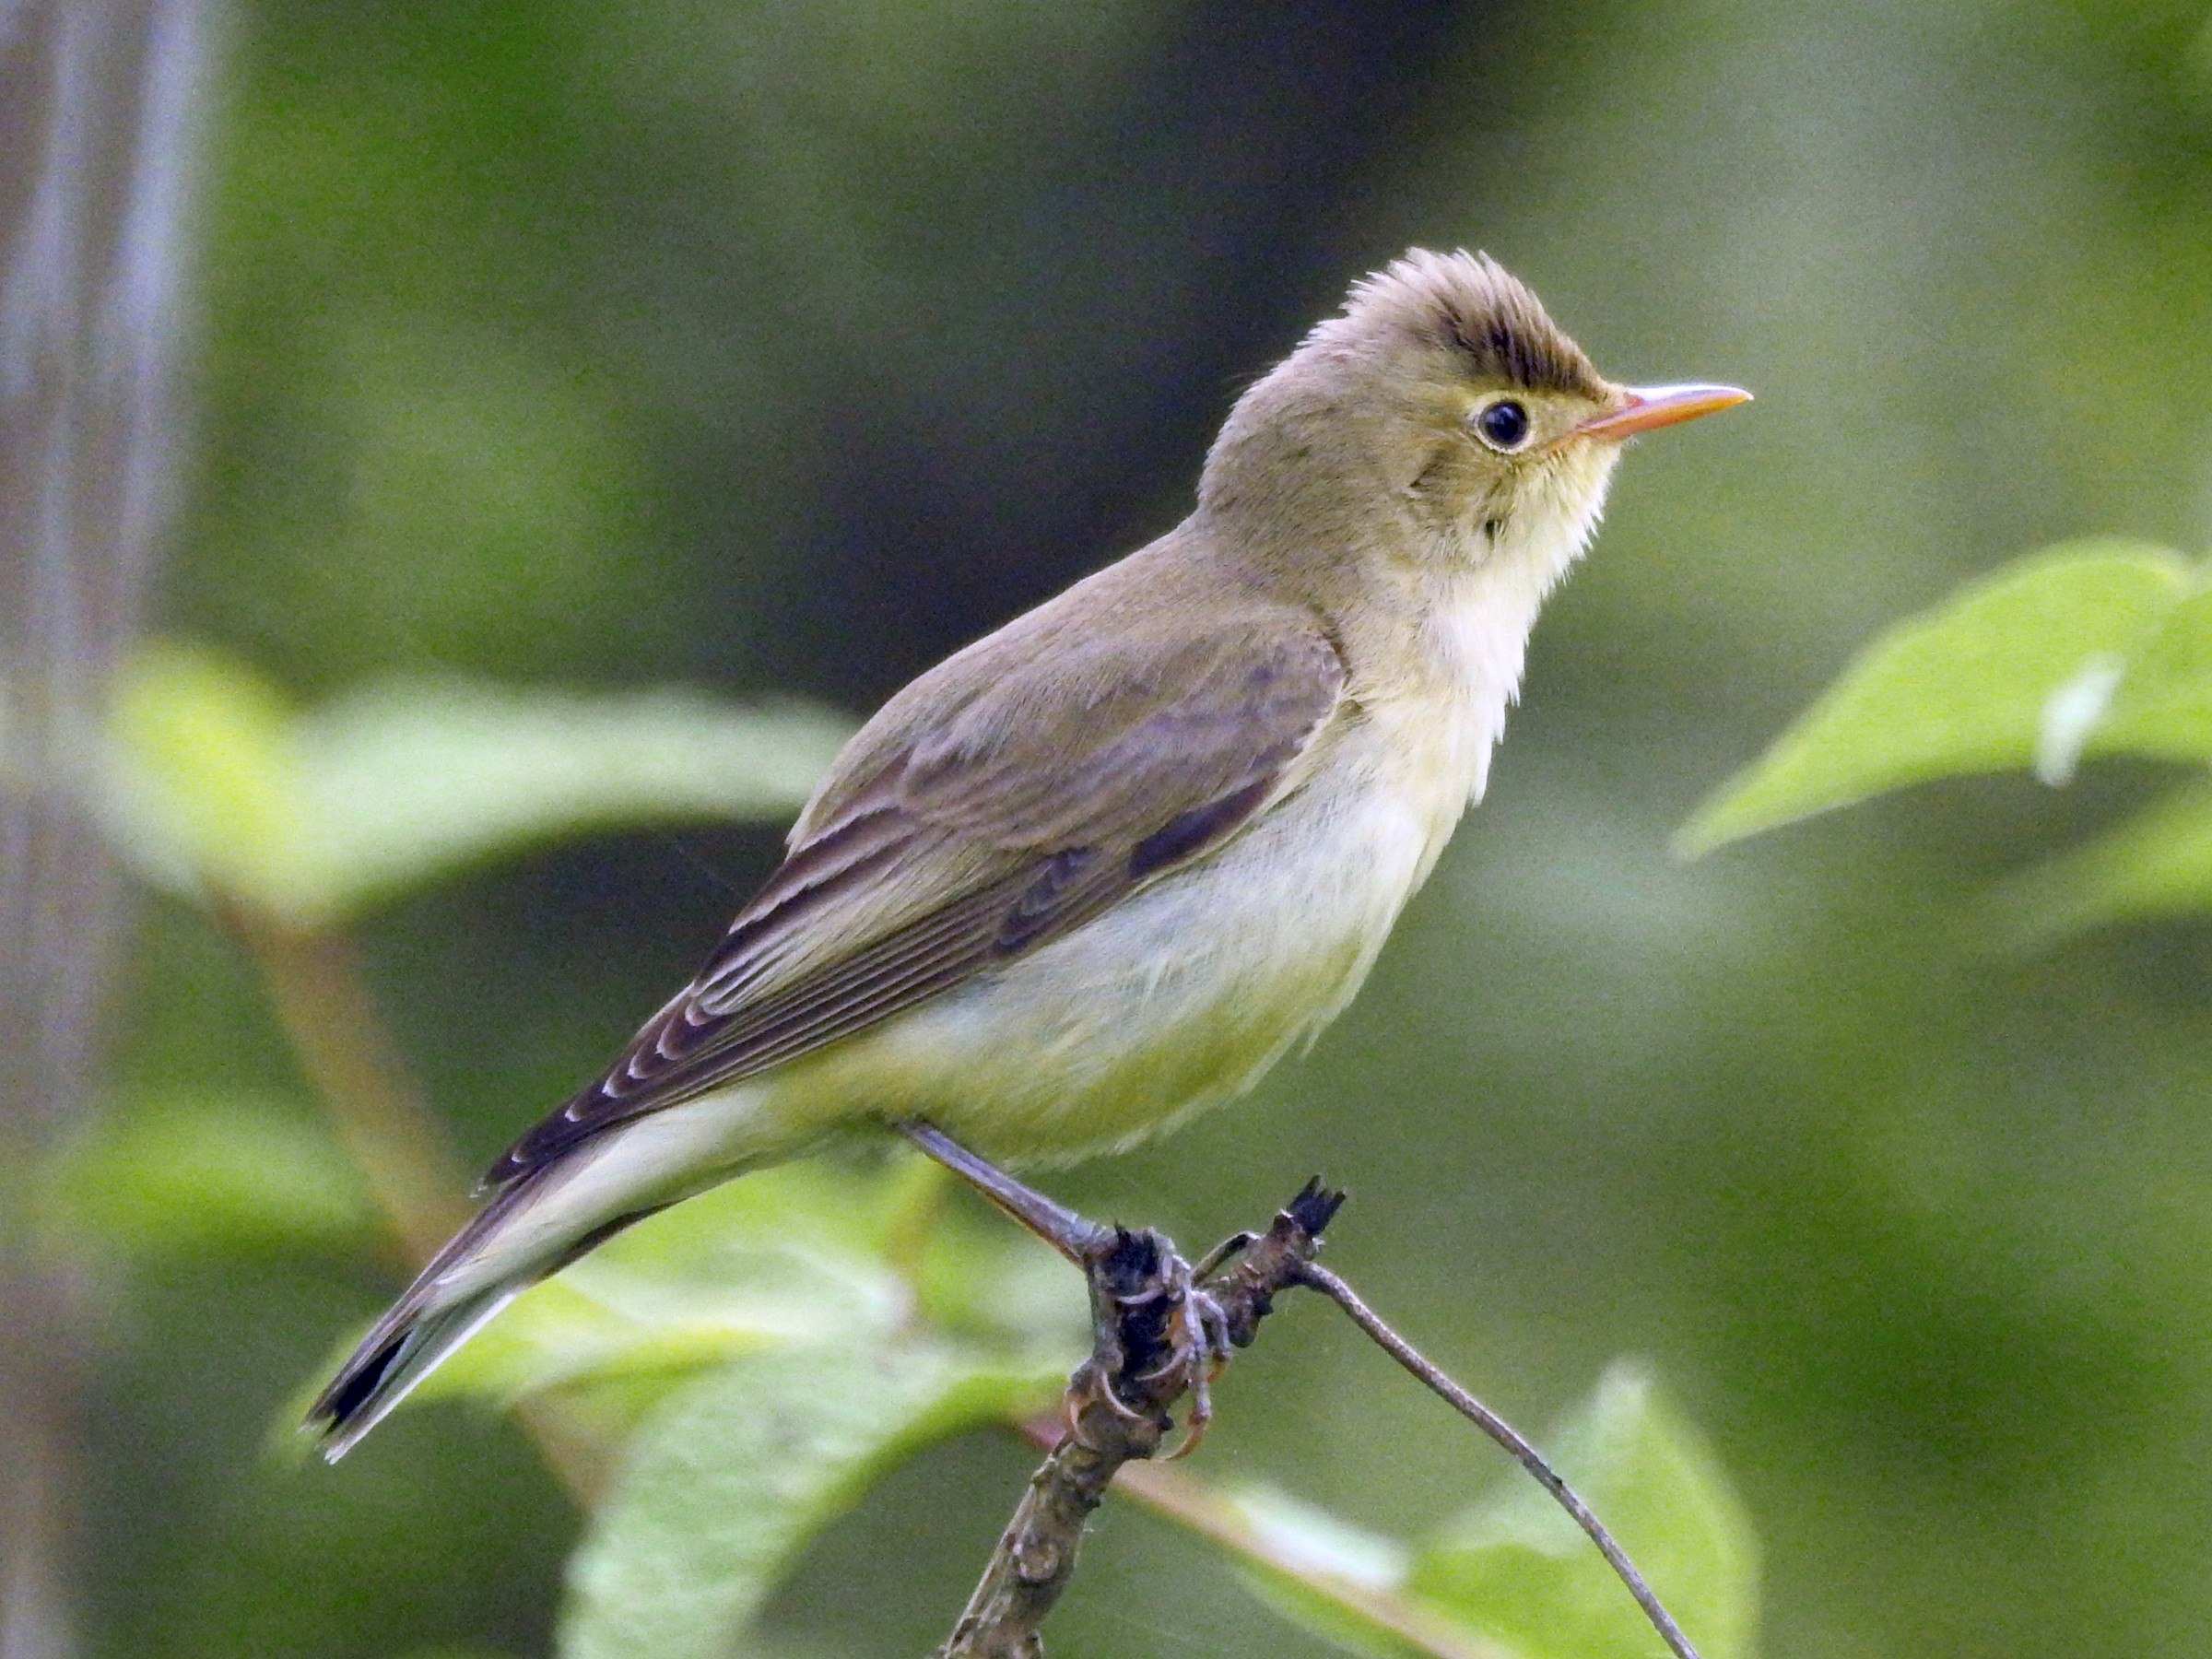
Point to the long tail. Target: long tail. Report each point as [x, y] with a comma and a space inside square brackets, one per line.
[387, 1368]
[437, 1313]
[508, 1246]
[533, 1225]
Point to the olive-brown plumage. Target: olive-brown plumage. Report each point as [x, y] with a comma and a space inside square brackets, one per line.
[1106, 865]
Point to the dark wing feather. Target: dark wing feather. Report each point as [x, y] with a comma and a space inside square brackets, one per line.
[1032, 806]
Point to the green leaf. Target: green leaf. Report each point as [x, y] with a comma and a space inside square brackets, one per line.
[699, 1284]
[188, 1173]
[2161, 705]
[727, 1481]
[1966, 688]
[2157, 864]
[407, 781]
[1518, 1568]
[792, 1256]
[1319, 1572]
[1303, 1537]
[201, 793]
[217, 788]
[817, 1256]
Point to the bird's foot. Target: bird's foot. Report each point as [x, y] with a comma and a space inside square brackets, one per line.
[1156, 1332]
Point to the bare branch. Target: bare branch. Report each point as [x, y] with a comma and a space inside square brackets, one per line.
[1118, 1412]
[1119, 1406]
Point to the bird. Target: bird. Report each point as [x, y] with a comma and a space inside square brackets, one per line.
[1103, 868]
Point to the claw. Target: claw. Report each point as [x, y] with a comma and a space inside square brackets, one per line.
[1196, 1351]
[1196, 1423]
[1212, 1324]
[1185, 1320]
[1200, 1348]
[1094, 1381]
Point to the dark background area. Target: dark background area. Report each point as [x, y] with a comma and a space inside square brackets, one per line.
[785, 348]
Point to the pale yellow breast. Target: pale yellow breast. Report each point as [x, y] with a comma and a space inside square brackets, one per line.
[1184, 993]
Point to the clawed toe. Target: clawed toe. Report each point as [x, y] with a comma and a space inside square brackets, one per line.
[1094, 1381]
[1200, 1349]
[1156, 1333]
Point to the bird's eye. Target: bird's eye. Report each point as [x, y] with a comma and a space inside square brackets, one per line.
[1503, 425]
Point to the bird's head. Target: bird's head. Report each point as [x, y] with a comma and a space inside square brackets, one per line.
[1442, 417]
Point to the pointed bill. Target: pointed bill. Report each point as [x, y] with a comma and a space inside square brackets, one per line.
[1647, 407]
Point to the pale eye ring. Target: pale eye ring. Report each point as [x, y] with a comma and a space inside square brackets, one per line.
[1503, 425]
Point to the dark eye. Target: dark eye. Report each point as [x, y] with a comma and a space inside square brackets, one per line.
[1503, 425]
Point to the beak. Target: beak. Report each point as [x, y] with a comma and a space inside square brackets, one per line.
[1647, 407]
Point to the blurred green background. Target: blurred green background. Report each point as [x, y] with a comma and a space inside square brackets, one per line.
[783, 348]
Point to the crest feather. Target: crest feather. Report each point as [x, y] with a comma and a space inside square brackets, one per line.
[1470, 303]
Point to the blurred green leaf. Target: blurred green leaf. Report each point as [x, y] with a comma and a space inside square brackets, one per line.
[220, 788]
[192, 1172]
[817, 1256]
[1970, 686]
[1515, 1567]
[1300, 1560]
[794, 1257]
[2157, 864]
[408, 781]
[2161, 706]
[1304, 1535]
[727, 1481]
[202, 796]
[781, 1258]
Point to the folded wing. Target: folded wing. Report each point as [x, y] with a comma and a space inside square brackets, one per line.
[997, 804]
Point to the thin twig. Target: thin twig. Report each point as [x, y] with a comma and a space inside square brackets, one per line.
[1503, 1433]
[1118, 1405]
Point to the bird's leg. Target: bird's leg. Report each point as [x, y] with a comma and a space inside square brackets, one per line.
[1156, 1329]
[1081, 1240]
[1203, 1339]
[1099, 1250]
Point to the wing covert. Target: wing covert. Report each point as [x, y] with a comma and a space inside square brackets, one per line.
[1027, 808]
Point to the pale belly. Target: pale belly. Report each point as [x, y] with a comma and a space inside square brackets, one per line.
[1177, 998]
[1180, 997]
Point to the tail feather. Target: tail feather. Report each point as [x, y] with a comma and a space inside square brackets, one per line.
[389, 1363]
[532, 1226]
[434, 1316]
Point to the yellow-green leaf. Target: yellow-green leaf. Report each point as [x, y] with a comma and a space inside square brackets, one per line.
[1965, 688]
[728, 1480]
[792, 1256]
[203, 791]
[218, 789]
[188, 1172]
[2161, 705]
[409, 780]
[2157, 864]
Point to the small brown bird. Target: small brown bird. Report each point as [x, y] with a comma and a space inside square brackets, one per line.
[1107, 865]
